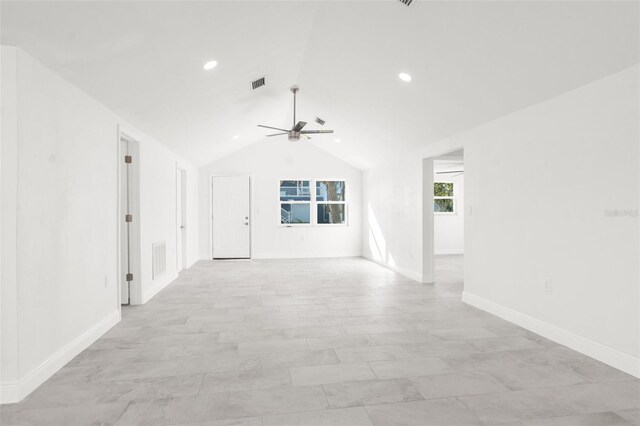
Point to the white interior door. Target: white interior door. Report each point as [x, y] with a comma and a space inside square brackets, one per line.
[231, 219]
[179, 221]
[125, 238]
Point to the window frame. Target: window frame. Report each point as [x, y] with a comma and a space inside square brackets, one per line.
[280, 203]
[452, 198]
[313, 214]
[316, 202]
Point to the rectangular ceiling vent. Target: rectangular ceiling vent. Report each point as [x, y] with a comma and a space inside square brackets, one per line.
[257, 83]
[406, 2]
[320, 121]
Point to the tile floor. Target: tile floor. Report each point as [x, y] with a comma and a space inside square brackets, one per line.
[324, 342]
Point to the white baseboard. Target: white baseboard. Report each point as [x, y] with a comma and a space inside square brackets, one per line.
[402, 271]
[602, 353]
[302, 255]
[158, 286]
[11, 392]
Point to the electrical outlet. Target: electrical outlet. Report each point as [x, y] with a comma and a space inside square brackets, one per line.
[547, 286]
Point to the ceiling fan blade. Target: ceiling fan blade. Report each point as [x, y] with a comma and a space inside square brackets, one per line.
[277, 134]
[306, 137]
[312, 132]
[273, 128]
[452, 171]
[299, 126]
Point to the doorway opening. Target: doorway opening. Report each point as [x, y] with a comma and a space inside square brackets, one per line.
[444, 220]
[129, 220]
[230, 217]
[181, 219]
[448, 219]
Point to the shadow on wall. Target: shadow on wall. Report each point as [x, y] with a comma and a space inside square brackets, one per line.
[377, 243]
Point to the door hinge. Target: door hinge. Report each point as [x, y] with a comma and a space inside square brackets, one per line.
[128, 218]
[128, 159]
[129, 277]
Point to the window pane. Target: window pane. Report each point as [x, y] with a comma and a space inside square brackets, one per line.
[295, 213]
[330, 190]
[443, 189]
[331, 213]
[444, 205]
[295, 190]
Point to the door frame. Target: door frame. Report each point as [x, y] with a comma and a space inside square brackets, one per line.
[135, 287]
[182, 205]
[251, 212]
[428, 224]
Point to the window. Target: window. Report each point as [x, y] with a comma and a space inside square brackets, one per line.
[330, 199]
[444, 198]
[328, 204]
[295, 201]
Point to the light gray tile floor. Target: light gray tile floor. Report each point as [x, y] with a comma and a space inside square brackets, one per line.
[324, 342]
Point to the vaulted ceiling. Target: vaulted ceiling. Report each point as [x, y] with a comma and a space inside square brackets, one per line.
[471, 62]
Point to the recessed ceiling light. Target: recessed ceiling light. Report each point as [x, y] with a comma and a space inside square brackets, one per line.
[404, 76]
[338, 140]
[210, 65]
[236, 137]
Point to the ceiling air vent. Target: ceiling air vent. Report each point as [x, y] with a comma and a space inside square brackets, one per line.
[406, 2]
[257, 83]
[320, 121]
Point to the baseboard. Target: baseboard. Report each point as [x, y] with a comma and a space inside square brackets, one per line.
[303, 255]
[588, 347]
[445, 252]
[402, 271]
[11, 392]
[158, 286]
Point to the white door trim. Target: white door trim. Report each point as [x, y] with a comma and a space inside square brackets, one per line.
[251, 214]
[181, 219]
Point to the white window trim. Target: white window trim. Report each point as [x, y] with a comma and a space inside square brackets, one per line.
[310, 202]
[313, 214]
[452, 198]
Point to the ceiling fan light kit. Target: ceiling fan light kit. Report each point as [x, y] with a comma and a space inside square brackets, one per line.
[296, 132]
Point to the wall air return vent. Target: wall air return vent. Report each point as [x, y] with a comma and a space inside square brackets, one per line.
[158, 259]
[406, 2]
[258, 83]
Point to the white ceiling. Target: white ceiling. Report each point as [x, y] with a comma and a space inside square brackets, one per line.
[471, 62]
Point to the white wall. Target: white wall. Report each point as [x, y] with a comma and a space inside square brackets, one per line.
[8, 217]
[449, 228]
[392, 220]
[267, 162]
[158, 211]
[560, 166]
[66, 200]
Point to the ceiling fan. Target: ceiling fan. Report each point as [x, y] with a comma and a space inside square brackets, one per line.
[296, 131]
